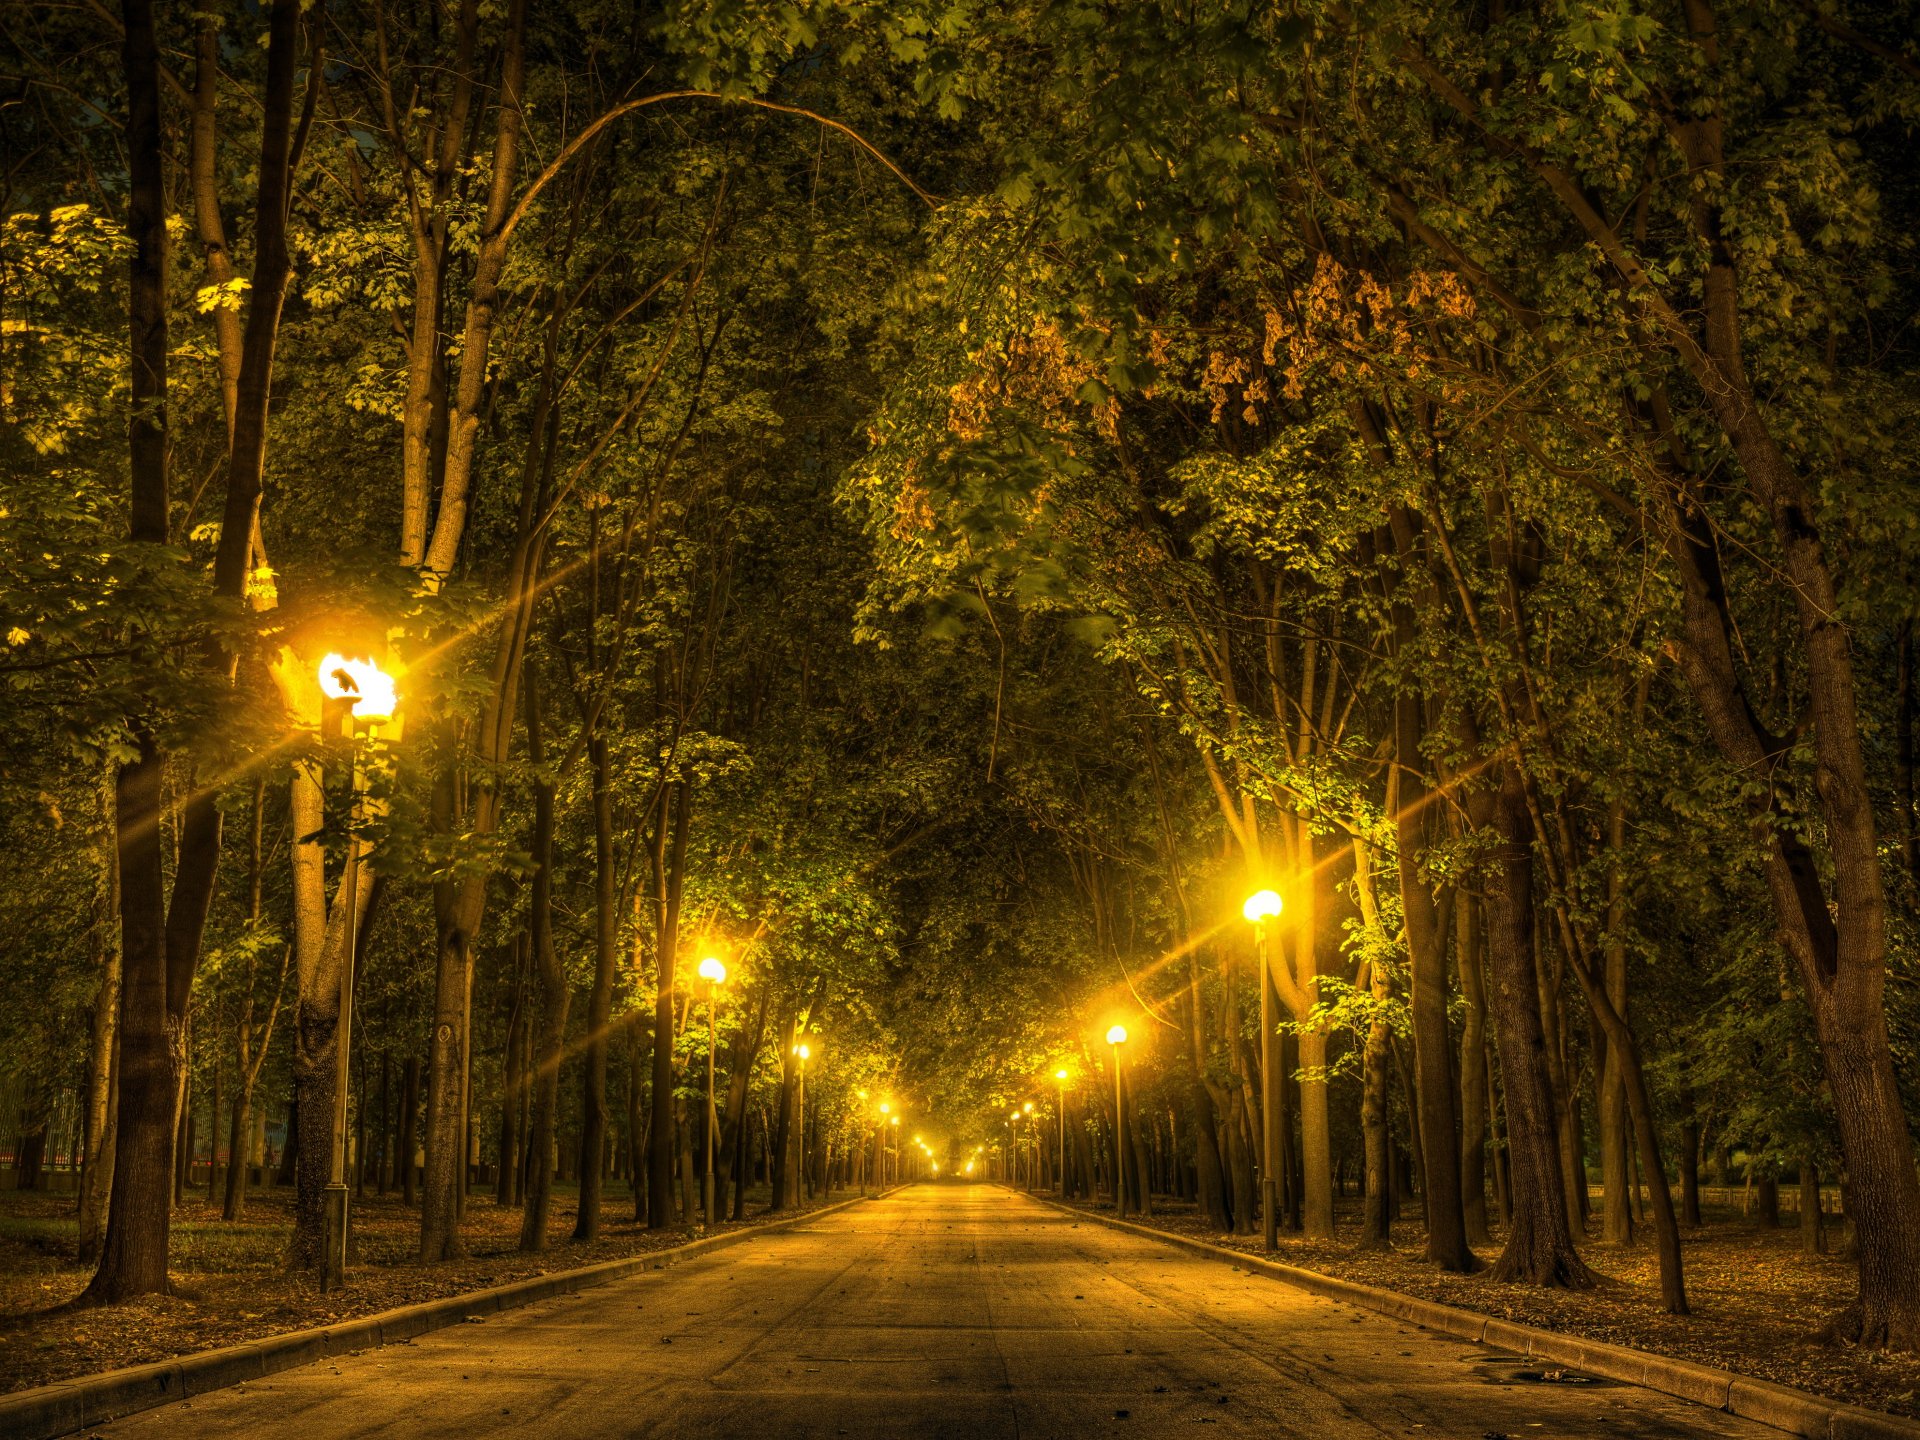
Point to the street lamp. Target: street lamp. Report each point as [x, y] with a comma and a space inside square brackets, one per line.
[374, 698]
[1061, 1076]
[1013, 1149]
[1260, 907]
[1116, 1037]
[715, 974]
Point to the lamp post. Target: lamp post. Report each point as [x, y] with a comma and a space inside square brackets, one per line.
[805, 1052]
[1262, 906]
[1061, 1076]
[372, 692]
[715, 974]
[1013, 1149]
[1033, 1144]
[895, 1127]
[1116, 1037]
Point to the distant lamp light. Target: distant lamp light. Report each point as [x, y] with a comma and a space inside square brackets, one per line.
[712, 971]
[369, 687]
[1262, 905]
[1117, 1035]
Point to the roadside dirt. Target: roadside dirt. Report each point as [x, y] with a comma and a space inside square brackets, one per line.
[1758, 1302]
[231, 1282]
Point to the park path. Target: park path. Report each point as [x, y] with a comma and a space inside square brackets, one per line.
[941, 1311]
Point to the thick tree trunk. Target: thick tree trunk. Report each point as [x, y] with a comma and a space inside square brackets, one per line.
[1690, 1170]
[133, 1258]
[458, 906]
[1540, 1248]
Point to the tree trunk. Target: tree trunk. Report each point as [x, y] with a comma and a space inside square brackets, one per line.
[133, 1257]
[1432, 1098]
[593, 1106]
[639, 1061]
[1474, 1088]
[1564, 1085]
[1209, 1176]
[667, 855]
[96, 1177]
[1376, 1232]
[1316, 1127]
[1813, 1232]
[554, 993]
[1540, 1248]
[1690, 1170]
[408, 1141]
[1617, 1218]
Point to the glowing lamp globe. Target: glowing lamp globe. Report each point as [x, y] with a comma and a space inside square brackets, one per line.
[1261, 905]
[1117, 1035]
[369, 687]
[712, 971]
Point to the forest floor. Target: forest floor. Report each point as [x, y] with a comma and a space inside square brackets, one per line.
[232, 1284]
[1758, 1301]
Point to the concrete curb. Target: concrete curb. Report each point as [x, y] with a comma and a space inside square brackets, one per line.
[1798, 1412]
[69, 1405]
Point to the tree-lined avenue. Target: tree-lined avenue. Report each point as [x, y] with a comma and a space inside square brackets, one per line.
[939, 1311]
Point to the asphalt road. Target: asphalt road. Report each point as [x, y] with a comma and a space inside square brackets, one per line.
[938, 1312]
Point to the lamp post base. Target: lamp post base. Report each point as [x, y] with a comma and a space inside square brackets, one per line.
[333, 1245]
[1270, 1213]
[706, 1201]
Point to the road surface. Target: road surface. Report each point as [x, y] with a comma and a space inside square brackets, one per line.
[941, 1311]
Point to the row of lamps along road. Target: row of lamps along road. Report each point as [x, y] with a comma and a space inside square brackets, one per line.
[372, 696]
[1260, 909]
